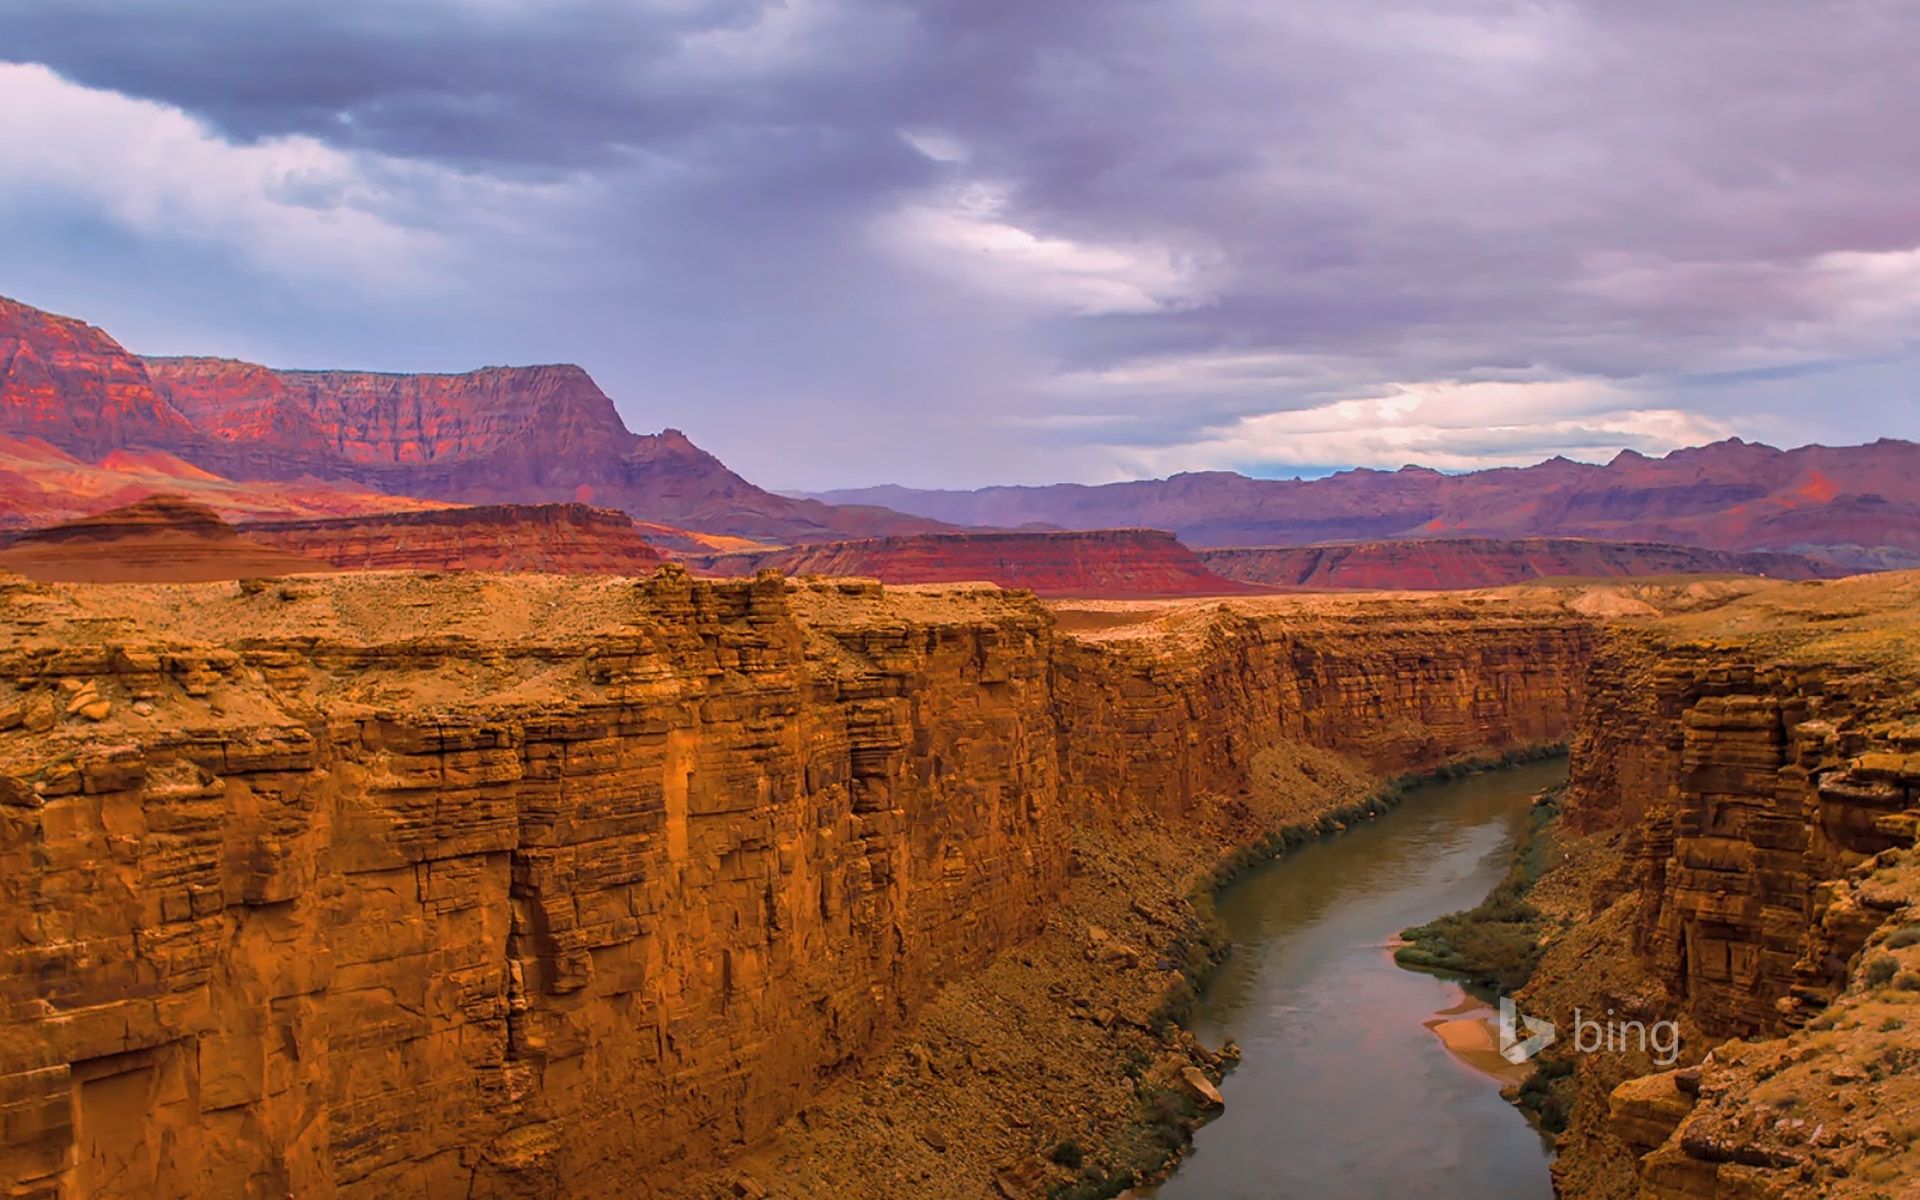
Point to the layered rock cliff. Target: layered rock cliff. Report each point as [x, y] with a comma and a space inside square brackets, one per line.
[534, 886]
[501, 434]
[1447, 563]
[1758, 770]
[162, 539]
[559, 538]
[324, 914]
[1165, 718]
[498, 435]
[1109, 562]
[69, 384]
[171, 539]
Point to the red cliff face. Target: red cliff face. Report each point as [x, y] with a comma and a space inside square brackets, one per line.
[41, 485]
[172, 539]
[530, 420]
[1114, 562]
[562, 539]
[162, 539]
[522, 435]
[71, 385]
[1439, 563]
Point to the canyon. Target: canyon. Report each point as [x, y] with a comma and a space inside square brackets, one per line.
[403, 822]
[539, 885]
[536, 885]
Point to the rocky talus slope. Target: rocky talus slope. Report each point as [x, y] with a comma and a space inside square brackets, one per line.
[1753, 775]
[535, 886]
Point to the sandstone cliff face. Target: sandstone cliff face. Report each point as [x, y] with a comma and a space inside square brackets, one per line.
[1110, 562]
[1747, 783]
[559, 538]
[1153, 732]
[1443, 563]
[1759, 765]
[501, 427]
[530, 886]
[523, 435]
[69, 384]
[583, 905]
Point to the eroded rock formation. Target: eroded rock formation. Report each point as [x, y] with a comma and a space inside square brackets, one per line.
[1759, 770]
[498, 435]
[1448, 563]
[160, 539]
[170, 539]
[1857, 505]
[1108, 562]
[562, 538]
[534, 886]
[69, 384]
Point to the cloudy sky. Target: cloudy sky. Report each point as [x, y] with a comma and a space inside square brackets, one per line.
[958, 242]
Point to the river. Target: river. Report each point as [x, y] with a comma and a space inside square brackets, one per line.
[1343, 1089]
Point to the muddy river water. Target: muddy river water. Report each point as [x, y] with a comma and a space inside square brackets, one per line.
[1344, 1088]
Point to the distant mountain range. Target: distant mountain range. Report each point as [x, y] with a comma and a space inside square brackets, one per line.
[1854, 505]
[86, 426]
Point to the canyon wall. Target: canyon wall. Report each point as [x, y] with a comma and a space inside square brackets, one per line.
[535, 886]
[1747, 782]
[85, 425]
[47, 363]
[521, 435]
[1759, 768]
[1157, 727]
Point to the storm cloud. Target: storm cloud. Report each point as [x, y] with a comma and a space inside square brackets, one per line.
[843, 242]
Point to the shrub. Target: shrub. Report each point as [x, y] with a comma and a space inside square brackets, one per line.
[1881, 971]
[1068, 1154]
[1903, 937]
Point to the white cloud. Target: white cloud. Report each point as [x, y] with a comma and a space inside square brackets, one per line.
[293, 207]
[1442, 424]
[968, 234]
